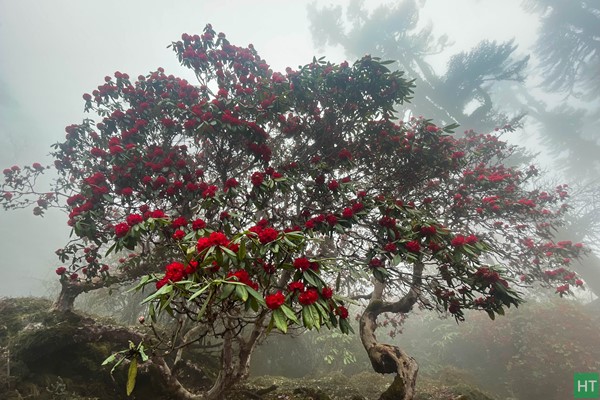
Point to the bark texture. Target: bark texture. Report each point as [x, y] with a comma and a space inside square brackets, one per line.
[386, 358]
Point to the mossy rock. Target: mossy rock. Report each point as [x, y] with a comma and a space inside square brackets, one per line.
[18, 313]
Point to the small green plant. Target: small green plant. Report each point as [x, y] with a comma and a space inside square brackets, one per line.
[132, 354]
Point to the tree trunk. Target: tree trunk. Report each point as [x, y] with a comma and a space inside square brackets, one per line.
[66, 298]
[386, 358]
[389, 359]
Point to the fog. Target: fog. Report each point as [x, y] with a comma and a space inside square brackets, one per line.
[482, 64]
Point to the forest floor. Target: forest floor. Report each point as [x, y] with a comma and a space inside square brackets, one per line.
[336, 386]
[38, 361]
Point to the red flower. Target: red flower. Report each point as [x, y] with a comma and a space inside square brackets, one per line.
[230, 183]
[218, 239]
[459, 240]
[302, 263]
[60, 270]
[345, 155]
[121, 229]
[299, 286]
[347, 213]
[178, 234]
[198, 224]
[562, 289]
[134, 219]
[157, 214]
[179, 222]
[174, 273]
[342, 312]
[390, 247]
[333, 185]
[375, 263]
[257, 178]
[210, 191]
[428, 230]
[471, 239]
[331, 220]
[327, 293]
[309, 297]
[203, 244]
[267, 235]
[413, 246]
[274, 301]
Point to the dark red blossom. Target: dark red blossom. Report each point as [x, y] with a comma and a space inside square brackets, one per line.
[296, 286]
[327, 293]
[121, 229]
[198, 224]
[267, 235]
[302, 263]
[275, 300]
[134, 219]
[428, 230]
[230, 184]
[214, 239]
[333, 185]
[413, 246]
[179, 222]
[257, 178]
[345, 155]
[459, 240]
[308, 297]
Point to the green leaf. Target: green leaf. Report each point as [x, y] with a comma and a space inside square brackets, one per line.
[204, 306]
[199, 292]
[110, 250]
[131, 375]
[152, 312]
[491, 314]
[241, 292]
[162, 291]
[280, 320]
[253, 304]
[142, 353]
[110, 359]
[307, 318]
[117, 364]
[257, 296]
[289, 313]
[242, 251]
[228, 289]
[229, 252]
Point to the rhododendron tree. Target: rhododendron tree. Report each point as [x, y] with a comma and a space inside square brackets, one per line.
[257, 200]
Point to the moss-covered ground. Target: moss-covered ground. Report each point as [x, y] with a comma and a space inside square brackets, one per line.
[39, 361]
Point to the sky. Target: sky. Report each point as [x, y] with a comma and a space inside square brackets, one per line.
[51, 52]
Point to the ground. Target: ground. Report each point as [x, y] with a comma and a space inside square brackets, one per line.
[38, 361]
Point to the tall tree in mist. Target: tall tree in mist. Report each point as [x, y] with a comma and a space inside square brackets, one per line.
[259, 200]
[462, 95]
[567, 55]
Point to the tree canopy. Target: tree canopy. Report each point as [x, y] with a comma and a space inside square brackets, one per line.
[259, 200]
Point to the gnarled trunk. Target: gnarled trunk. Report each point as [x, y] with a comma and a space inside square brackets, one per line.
[389, 359]
[386, 358]
[66, 297]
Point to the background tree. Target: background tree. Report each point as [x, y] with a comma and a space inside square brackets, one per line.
[257, 201]
[462, 95]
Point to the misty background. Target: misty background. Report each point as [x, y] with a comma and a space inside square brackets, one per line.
[535, 63]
